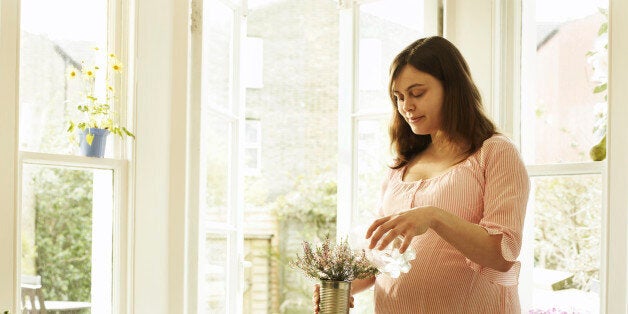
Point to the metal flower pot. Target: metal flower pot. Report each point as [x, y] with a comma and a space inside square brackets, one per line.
[334, 298]
[97, 148]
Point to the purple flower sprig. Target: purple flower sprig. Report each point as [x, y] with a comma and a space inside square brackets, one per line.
[331, 261]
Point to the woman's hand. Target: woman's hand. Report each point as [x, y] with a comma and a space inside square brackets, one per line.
[406, 225]
[316, 299]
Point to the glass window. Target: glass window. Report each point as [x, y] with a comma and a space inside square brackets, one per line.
[217, 74]
[290, 88]
[567, 114]
[293, 197]
[66, 232]
[215, 168]
[373, 159]
[253, 147]
[254, 62]
[567, 233]
[221, 129]
[384, 30]
[67, 203]
[563, 120]
[53, 40]
[214, 292]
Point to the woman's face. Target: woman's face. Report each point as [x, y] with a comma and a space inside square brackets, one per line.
[419, 99]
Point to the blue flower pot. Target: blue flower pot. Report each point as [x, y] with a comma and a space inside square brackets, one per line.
[97, 149]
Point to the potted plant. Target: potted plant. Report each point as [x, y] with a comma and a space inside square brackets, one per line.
[97, 118]
[335, 266]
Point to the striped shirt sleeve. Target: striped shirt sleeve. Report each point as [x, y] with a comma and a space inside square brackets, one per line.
[506, 190]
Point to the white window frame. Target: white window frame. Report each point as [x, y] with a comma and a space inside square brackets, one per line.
[196, 231]
[12, 161]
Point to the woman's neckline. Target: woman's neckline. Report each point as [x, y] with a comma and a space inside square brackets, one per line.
[447, 171]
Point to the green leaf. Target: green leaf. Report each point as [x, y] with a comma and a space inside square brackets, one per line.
[89, 138]
[127, 132]
[599, 88]
[71, 127]
[603, 29]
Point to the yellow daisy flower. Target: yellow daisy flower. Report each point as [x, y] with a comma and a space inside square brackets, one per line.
[89, 73]
[72, 73]
[116, 66]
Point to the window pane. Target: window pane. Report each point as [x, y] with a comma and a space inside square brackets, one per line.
[567, 115]
[65, 253]
[293, 197]
[214, 290]
[373, 159]
[253, 62]
[567, 243]
[217, 74]
[252, 132]
[251, 162]
[379, 20]
[216, 164]
[53, 39]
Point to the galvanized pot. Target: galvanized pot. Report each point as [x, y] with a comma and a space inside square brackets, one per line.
[335, 297]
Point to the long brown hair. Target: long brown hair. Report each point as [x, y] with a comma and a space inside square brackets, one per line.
[463, 116]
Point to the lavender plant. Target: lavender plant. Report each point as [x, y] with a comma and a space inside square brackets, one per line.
[330, 261]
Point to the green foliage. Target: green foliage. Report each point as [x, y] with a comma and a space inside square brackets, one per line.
[598, 152]
[567, 226]
[599, 88]
[311, 205]
[308, 211]
[63, 232]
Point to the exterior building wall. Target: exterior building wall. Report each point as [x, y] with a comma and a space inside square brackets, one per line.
[565, 93]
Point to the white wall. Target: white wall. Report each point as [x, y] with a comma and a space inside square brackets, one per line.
[8, 151]
[160, 157]
[469, 25]
[615, 276]
[153, 63]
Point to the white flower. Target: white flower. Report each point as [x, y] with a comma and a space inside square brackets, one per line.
[391, 262]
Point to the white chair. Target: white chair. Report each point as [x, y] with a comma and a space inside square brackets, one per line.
[33, 299]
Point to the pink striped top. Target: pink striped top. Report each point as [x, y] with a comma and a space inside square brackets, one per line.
[490, 188]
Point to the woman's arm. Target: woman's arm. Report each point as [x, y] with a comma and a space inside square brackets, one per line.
[360, 285]
[470, 239]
